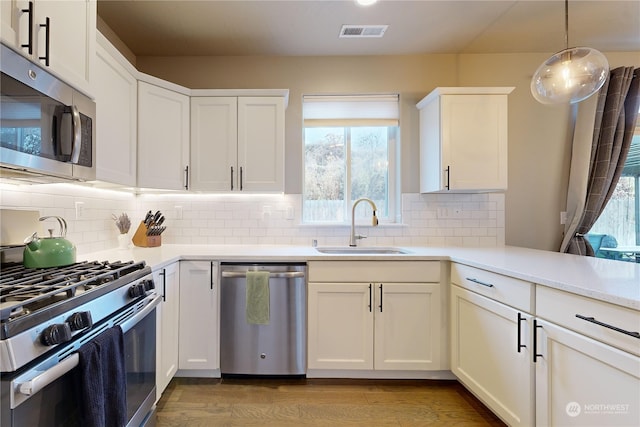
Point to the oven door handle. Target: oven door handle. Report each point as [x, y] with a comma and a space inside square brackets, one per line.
[39, 382]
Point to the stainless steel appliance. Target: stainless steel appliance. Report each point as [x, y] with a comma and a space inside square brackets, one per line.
[46, 126]
[277, 348]
[47, 315]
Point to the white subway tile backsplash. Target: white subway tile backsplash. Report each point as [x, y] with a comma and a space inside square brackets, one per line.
[428, 219]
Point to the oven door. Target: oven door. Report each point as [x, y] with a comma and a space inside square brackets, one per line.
[46, 395]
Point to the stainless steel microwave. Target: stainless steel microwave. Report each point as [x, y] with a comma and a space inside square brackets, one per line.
[46, 127]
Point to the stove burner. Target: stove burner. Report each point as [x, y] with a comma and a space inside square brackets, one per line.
[26, 290]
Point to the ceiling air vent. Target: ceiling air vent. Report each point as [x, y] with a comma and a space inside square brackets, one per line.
[362, 31]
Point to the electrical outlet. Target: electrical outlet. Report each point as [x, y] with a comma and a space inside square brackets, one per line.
[266, 212]
[178, 212]
[290, 212]
[563, 217]
[443, 213]
[79, 210]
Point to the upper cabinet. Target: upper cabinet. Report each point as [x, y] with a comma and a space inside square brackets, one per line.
[463, 139]
[163, 138]
[59, 35]
[116, 90]
[237, 143]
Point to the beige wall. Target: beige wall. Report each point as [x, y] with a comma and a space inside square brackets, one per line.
[539, 153]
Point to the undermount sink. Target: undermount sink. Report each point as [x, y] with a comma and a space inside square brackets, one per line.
[347, 250]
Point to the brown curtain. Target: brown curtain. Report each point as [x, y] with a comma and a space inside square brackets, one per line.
[616, 116]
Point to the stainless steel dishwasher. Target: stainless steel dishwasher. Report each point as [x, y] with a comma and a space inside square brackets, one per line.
[277, 348]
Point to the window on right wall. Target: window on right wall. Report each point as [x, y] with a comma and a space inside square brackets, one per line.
[620, 219]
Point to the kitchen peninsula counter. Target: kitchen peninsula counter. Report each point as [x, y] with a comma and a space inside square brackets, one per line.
[611, 281]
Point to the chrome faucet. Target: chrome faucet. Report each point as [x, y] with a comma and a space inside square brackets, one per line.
[374, 220]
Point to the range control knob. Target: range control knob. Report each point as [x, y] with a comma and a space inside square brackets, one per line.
[56, 334]
[149, 285]
[137, 290]
[80, 320]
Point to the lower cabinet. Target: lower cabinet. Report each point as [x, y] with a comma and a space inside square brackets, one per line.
[167, 281]
[491, 354]
[373, 325]
[581, 382]
[587, 361]
[381, 326]
[199, 330]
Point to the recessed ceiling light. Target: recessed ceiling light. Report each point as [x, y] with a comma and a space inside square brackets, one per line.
[366, 2]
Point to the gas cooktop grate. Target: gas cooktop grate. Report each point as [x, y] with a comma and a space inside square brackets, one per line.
[26, 290]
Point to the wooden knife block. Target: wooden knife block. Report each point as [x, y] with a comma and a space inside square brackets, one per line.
[141, 239]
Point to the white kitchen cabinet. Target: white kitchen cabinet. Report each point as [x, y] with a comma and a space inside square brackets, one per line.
[463, 139]
[199, 316]
[407, 326]
[214, 141]
[491, 350]
[587, 364]
[167, 281]
[340, 325]
[71, 25]
[491, 354]
[116, 90]
[580, 381]
[381, 325]
[237, 143]
[163, 138]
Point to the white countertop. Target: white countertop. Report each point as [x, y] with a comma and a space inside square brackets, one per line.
[606, 280]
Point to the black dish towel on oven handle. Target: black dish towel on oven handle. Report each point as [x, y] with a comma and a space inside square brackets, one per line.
[102, 380]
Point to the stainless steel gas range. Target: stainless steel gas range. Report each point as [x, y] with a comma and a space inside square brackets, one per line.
[47, 316]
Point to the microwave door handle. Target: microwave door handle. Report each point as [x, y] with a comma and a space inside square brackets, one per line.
[77, 135]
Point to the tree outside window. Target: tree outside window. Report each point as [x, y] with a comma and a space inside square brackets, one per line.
[343, 164]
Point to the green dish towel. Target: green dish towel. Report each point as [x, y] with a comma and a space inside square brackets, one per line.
[257, 305]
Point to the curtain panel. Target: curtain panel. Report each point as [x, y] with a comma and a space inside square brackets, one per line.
[616, 112]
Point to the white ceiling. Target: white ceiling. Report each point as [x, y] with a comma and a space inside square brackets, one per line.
[311, 27]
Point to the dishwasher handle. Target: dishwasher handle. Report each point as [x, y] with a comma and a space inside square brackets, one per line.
[272, 274]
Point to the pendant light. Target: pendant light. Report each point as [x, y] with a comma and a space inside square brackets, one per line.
[571, 75]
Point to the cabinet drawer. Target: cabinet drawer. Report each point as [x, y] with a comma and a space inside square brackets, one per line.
[514, 292]
[374, 271]
[562, 307]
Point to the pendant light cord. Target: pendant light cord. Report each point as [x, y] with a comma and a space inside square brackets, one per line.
[566, 24]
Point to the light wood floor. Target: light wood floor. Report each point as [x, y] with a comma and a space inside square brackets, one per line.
[300, 402]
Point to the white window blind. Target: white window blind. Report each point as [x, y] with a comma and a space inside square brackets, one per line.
[356, 110]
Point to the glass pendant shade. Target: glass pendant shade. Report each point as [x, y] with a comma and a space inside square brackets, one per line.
[570, 76]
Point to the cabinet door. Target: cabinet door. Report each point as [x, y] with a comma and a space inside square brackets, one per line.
[340, 326]
[261, 143]
[580, 381]
[474, 141]
[199, 326]
[167, 282]
[10, 17]
[116, 92]
[491, 355]
[163, 137]
[214, 143]
[72, 33]
[72, 38]
[407, 326]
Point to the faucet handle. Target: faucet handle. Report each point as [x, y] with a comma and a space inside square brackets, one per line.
[360, 236]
